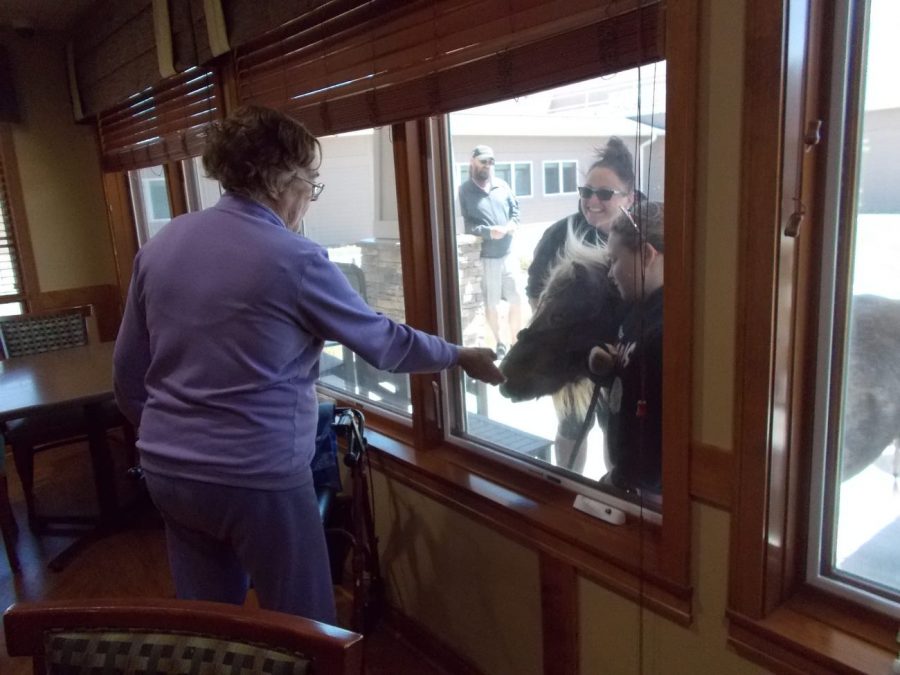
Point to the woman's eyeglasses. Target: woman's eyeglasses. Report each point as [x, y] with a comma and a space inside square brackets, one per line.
[603, 194]
[316, 187]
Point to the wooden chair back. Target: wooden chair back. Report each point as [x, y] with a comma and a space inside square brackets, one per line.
[44, 331]
[161, 636]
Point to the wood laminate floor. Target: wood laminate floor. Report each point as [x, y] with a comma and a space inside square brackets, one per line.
[130, 563]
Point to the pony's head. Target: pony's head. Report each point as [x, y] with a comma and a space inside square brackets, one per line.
[577, 310]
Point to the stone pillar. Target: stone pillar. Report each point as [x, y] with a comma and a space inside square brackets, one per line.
[381, 265]
[471, 302]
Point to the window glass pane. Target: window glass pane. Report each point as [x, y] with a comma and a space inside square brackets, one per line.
[462, 175]
[202, 191]
[503, 171]
[867, 519]
[355, 218]
[10, 283]
[569, 178]
[149, 198]
[551, 178]
[523, 179]
[159, 200]
[501, 279]
[10, 308]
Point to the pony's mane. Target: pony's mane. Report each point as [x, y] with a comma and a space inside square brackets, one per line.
[577, 251]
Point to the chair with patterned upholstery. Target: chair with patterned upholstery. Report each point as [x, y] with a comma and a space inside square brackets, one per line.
[44, 331]
[175, 636]
[34, 333]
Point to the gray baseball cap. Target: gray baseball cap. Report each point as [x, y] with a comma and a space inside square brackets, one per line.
[482, 152]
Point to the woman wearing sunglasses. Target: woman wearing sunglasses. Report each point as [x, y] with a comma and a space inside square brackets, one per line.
[216, 364]
[608, 188]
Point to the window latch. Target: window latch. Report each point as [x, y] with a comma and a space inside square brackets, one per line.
[813, 133]
[792, 227]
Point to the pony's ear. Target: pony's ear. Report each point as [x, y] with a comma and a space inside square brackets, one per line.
[581, 276]
[591, 277]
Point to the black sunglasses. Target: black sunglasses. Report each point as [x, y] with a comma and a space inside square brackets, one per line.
[603, 194]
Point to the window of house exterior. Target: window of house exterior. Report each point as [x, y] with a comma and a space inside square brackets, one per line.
[517, 175]
[560, 177]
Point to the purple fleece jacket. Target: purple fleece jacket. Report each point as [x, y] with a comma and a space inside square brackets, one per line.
[217, 356]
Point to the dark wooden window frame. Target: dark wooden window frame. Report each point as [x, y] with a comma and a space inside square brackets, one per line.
[775, 618]
[646, 563]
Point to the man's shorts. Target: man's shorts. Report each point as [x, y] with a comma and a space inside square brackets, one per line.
[498, 282]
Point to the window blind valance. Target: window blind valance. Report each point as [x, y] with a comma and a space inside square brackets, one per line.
[164, 123]
[350, 65]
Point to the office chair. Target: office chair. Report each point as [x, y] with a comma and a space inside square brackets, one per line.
[32, 334]
[153, 637]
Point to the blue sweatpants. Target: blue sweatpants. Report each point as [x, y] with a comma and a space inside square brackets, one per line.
[220, 537]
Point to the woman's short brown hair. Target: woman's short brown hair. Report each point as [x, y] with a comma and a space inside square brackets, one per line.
[254, 151]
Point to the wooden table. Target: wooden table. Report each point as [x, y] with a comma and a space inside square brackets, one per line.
[77, 376]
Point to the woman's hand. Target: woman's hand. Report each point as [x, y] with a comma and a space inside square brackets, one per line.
[478, 363]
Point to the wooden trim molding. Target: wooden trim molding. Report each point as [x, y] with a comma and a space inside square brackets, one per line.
[711, 480]
[774, 618]
[559, 616]
[174, 173]
[791, 641]
[121, 227]
[427, 643]
[624, 558]
[682, 59]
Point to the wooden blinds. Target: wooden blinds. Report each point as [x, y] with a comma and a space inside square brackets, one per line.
[162, 124]
[352, 64]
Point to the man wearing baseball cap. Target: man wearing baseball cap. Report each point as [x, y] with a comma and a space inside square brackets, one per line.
[490, 211]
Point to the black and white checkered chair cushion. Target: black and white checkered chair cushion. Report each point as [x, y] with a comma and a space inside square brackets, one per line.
[23, 335]
[117, 652]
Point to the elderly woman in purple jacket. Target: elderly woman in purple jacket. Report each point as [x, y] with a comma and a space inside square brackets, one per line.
[216, 363]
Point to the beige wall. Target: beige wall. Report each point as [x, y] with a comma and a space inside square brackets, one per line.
[479, 590]
[59, 169]
[715, 234]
